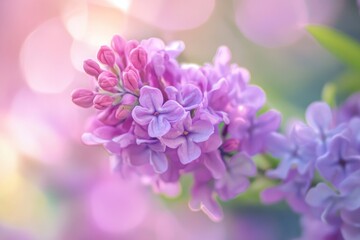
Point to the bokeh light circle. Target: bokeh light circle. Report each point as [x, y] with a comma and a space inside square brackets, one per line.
[169, 15]
[8, 157]
[45, 58]
[271, 23]
[117, 207]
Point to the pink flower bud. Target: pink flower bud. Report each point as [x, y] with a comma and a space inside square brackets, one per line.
[107, 80]
[106, 56]
[108, 116]
[123, 112]
[129, 99]
[118, 44]
[83, 97]
[138, 57]
[92, 68]
[130, 45]
[231, 145]
[130, 80]
[102, 101]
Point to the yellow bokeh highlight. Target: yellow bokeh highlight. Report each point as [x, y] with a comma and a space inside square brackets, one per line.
[22, 203]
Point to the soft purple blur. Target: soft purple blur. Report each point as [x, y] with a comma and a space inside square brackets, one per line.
[55, 187]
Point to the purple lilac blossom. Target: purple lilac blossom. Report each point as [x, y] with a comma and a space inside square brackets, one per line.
[160, 119]
[320, 170]
[349, 109]
[314, 228]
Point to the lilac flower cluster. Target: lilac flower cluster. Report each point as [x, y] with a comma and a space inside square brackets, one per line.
[160, 119]
[320, 169]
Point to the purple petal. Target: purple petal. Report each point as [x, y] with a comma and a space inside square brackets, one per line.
[268, 122]
[113, 147]
[320, 195]
[191, 97]
[173, 139]
[151, 98]
[350, 183]
[241, 163]
[158, 64]
[202, 199]
[278, 145]
[272, 195]
[91, 139]
[158, 126]
[235, 181]
[223, 56]
[188, 152]
[354, 126]
[230, 186]
[136, 155]
[142, 116]
[351, 201]
[329, 165]
[218, 96]
[215, 164]
[201, 131]
[319, 116]
[187, 122]
[172, 111]
[157, 146]
[105, 132]
[254, 97]
[351, 217]
[174, 49]
[159, 161]
[172, 92]
[302, 134]
[213, 143]
[152, 44]
[282, 170]
[141, 131]
[350, 232]
[124, 140]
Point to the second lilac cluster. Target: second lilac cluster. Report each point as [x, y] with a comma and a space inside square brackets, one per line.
[320, 170]
[160, 119]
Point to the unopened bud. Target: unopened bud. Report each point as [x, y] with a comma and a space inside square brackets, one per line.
[130, 80]
[107, 80]
[123, 112]
[108, 116]
[83, 97]
[92, 68]
[106, 56]
[102, 101]
[138, 58]
[231, 145]
[130, 45]
[129, 99]
[118, 44]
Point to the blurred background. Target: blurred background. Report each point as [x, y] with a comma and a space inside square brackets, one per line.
[52, 186]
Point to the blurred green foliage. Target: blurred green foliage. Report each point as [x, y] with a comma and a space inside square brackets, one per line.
[345, 49]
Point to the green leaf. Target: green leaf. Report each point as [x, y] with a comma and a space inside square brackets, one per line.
[329, 94]
[347, 84]
[341, 46]
[340, 88]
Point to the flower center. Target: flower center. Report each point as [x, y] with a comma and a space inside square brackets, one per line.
[342, 163]
[156, 113]
[185, 133]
